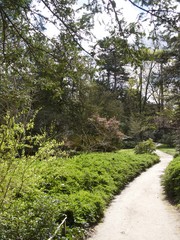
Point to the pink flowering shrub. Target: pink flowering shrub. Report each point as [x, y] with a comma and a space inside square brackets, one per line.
[104, 134]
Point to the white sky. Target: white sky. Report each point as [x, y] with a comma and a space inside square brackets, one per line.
[129, 13]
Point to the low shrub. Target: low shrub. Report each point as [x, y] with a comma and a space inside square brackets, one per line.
[103, 134]
[80, 187]
[147, 146]
[129, 143]
[171, 180]
[29, 219]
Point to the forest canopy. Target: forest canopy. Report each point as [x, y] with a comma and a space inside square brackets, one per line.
[135, 82]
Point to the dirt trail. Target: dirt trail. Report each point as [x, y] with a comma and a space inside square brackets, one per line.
[141, 212]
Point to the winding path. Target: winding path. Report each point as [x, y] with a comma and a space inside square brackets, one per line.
[141, 212]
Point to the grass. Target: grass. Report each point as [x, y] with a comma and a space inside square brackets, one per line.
[165, 148]
[171, 151]
[80, 187]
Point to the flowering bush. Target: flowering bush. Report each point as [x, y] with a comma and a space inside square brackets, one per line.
[104, 134]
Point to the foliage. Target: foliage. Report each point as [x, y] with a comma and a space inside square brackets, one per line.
[177, 127]
[177, 141]
[171, 180]
[19, 149]
[168, 17]
[117, 80]
[112, 58]
[29, 219]
[147, 146]
[80, 187]
[54, 75]
[98, 134]
[104, 134]
[129, 143]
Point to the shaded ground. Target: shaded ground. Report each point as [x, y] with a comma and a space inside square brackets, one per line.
[141, 212]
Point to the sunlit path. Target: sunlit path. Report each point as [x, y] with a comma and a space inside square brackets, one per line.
[140, 212]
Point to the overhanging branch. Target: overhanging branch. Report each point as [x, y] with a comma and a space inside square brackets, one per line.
[155, 15]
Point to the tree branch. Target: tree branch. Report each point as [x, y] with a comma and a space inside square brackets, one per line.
[3, 31]
[155, 15]
[68, 28]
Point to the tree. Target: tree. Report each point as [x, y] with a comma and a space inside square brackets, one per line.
[112, 58]
[37, 72]
[58, 78]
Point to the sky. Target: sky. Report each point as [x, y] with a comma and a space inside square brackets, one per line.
[129, 13]
[100, 30]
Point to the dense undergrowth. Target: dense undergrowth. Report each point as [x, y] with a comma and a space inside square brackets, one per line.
[80, 187]
[171, 181]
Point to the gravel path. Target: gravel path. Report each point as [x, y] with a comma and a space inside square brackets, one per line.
[141, 212]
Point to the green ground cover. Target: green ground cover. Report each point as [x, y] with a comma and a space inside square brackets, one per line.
[171, 178]
[80, 187]
[171, 181]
